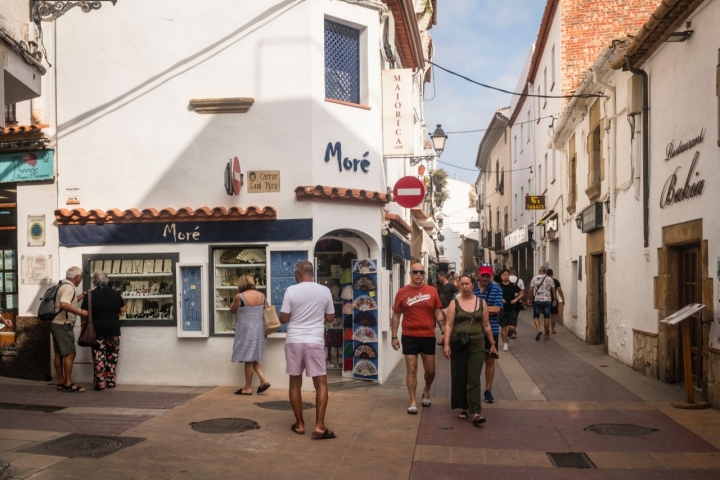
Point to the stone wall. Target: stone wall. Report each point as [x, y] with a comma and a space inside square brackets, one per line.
[645, 353]
[32, 361]
[713, 376]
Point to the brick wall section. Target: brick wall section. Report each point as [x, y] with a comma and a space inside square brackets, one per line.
[588, 26]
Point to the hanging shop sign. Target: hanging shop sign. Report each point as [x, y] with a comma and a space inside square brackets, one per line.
[474, 225]
[399, 247]
[409, 192]
[187, 232]
[27, 166]
[335, 150]
[398, 115]
[263, 181]
[36, 230]
[515, 238]
[592, 217]
[671, 192]
[534, 202]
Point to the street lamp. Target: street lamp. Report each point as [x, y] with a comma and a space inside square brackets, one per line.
[578, 221]
[438, 138]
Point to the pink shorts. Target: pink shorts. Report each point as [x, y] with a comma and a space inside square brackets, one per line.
[305, 356]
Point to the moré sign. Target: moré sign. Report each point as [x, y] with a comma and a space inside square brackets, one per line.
[27, 166]
[335, 151]
[672, 191]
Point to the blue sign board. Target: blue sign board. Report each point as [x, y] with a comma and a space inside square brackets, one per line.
[400, 247]
[187, 232]
[27, 166]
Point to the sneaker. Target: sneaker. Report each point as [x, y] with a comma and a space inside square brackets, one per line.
[488, 397]
[505, 347]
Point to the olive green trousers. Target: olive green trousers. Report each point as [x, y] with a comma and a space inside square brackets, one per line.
[465, 369]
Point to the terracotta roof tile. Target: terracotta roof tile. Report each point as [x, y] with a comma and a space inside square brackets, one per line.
[22, 129]
[321, 192]
[398, 224]
[80, 216]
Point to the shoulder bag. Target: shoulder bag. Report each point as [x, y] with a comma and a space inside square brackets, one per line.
[463, 340]
[272, 322]
[87, 337]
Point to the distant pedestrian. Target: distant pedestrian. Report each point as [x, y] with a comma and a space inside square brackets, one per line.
[512, 299]
[107, 305]
[491, 292]
[306, 307]
[419, 306]
[61, 328]
[540, 296]
[467, 313]
[447, 291]
[517, 281]
[249, 307]
[556, 310]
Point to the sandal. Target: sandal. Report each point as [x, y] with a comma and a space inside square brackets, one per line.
[240, 392]
[73, 388]
[537, 337]
[263, 387]
[111, 385]
[426, 402]
[463, 415]
[293, 427]
[323, 436]
[412, 410]
[478, 420]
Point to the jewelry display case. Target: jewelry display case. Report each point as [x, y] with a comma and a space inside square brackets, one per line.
[229, 263]
[146, 282]
[192, 304]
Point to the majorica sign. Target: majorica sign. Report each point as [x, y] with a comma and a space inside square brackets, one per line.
[671, 192]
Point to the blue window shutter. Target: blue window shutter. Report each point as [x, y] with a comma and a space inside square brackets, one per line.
[282, 269]
[342, 62]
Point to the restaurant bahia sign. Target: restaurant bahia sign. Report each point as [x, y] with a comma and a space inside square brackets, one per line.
[672, 192]
[32, 166]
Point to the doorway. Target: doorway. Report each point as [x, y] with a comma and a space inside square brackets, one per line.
[600, 272]
[689, 291]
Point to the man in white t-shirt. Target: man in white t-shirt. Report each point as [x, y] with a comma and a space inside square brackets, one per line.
[517, 281]
[305, 308]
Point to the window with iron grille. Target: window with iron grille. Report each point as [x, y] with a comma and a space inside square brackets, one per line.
[342, 62]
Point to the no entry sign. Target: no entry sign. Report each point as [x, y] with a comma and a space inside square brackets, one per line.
[409, 192]
[237, 176]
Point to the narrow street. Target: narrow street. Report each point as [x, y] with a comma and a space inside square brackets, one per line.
[547, 393]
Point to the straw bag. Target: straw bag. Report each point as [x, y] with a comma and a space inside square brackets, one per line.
[272, 322]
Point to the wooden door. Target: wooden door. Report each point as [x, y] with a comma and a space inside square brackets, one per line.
[689, 291]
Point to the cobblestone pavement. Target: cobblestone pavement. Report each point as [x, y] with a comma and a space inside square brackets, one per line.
[546, 393]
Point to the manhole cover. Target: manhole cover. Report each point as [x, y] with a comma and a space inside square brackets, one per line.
[30, 408]
[571, 460]
[87, 446]
[225, 425]
[283, 405]
[620, 430]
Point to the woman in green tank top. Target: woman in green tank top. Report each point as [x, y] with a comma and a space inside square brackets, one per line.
[467, 313]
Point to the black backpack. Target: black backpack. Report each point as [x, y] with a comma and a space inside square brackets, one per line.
[46, 310]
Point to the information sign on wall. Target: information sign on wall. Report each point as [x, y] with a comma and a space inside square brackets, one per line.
[263, 181]
[27, 166]
[35, 269]
[36, 230]
[592, 217]
[398, 115]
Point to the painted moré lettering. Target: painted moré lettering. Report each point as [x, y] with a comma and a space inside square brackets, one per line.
[188, 236]
[672, 194]
[346, 163]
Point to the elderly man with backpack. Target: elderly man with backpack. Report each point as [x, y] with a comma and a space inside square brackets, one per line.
[62, 324]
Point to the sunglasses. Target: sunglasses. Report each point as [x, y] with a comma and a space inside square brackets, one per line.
[418, 272]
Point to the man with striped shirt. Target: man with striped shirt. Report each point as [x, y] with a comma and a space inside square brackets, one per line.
[491, 292]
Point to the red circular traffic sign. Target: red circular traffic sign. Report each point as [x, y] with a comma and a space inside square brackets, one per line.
[237, 176]
[409, 192]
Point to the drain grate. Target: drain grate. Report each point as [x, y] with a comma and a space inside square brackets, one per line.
[30, 408]
[283, 405]
[225, 425]
[571, 460]
[620, 430]
[85, 446]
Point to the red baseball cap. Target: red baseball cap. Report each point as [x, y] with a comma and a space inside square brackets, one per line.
[485, 270]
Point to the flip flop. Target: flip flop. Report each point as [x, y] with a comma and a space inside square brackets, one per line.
[426, 402]
[263, 387]
[73, 388]
[477, 421]
[537, 337]
[240, 392]
[463, 415]
[327, 434]
[292, 427]
[412, 410]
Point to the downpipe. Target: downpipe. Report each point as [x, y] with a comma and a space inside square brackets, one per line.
[645, 151]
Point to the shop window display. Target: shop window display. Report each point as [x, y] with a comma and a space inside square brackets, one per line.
[329, 267]
[145, 281]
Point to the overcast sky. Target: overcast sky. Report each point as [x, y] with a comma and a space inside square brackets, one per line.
[485, 40]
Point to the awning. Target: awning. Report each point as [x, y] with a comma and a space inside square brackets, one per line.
[545, 216]
[428, 246]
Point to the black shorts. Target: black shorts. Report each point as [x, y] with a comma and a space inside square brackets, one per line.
[417, 345]
[488, 344]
